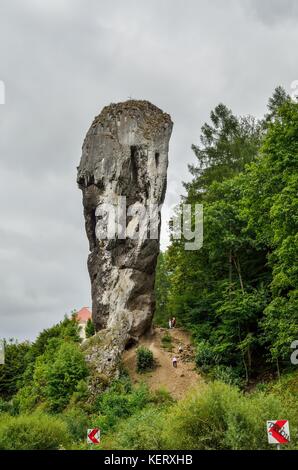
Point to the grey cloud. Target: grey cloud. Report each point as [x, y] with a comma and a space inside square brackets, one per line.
[274, 11]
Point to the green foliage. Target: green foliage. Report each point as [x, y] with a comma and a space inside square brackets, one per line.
[46, 374]
[205, 356]
[162, 286]
[220, 417]
[238, 293]
[81, 392]
[226, 374]
[278, 99]
[11, 372]
[90, 329]
[143, 431]
[273, 217]
[58, 376]
[286, 386]
[145, 359]
[27, 399]
[228, 143]
[120, 401]
[8, 407]
[67, 330]
[161, 397]
[166, 342]
[34, 432]
[215, 416]
[238, 296]
[77, 422]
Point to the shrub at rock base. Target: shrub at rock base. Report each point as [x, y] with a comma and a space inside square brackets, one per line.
[145, 359]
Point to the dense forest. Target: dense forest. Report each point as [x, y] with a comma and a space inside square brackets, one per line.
[237, 296]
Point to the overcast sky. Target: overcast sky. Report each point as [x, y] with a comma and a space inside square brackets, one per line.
[61, 62]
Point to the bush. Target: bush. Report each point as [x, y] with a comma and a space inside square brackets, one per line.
[123, 384]
[117, 403]
[162, 397]
[77, 422]
[166, 342]
[215, 416]
[205, 356]
[90, 329]
[145, 359]
[26, 399]
[35, 432]
[11, 372]
[142, 431]
[6, 407]
[140, 397]
[218, 416]
[227, 374]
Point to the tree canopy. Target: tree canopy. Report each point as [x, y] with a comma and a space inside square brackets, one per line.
[238, 293]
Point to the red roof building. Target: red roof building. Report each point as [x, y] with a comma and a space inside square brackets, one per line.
[83, 315]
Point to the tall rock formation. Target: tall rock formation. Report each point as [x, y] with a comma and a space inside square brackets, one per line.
[125, 155]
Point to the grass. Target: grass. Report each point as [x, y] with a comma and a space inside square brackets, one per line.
[167, 342]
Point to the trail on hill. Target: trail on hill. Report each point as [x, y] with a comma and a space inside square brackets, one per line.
[176, 380]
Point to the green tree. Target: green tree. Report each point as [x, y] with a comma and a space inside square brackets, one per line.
[11, 372]
[271, 205]
[58, 376]
[228, 143]
[67, 330]
[90, 329]
[237, 294]
[35, 432]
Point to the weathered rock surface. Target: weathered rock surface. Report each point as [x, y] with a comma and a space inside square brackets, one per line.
[125, 153]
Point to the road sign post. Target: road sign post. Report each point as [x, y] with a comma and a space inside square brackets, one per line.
[278, 432]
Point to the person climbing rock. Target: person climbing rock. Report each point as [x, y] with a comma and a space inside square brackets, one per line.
[174, 361]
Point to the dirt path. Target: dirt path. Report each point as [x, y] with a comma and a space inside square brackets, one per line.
[176, 380]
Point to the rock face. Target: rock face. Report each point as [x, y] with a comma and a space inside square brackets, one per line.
[123, 174]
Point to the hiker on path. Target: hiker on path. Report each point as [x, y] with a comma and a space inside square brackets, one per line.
[180, 349]
[173, 322]
[170, 323]
[174, 361]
